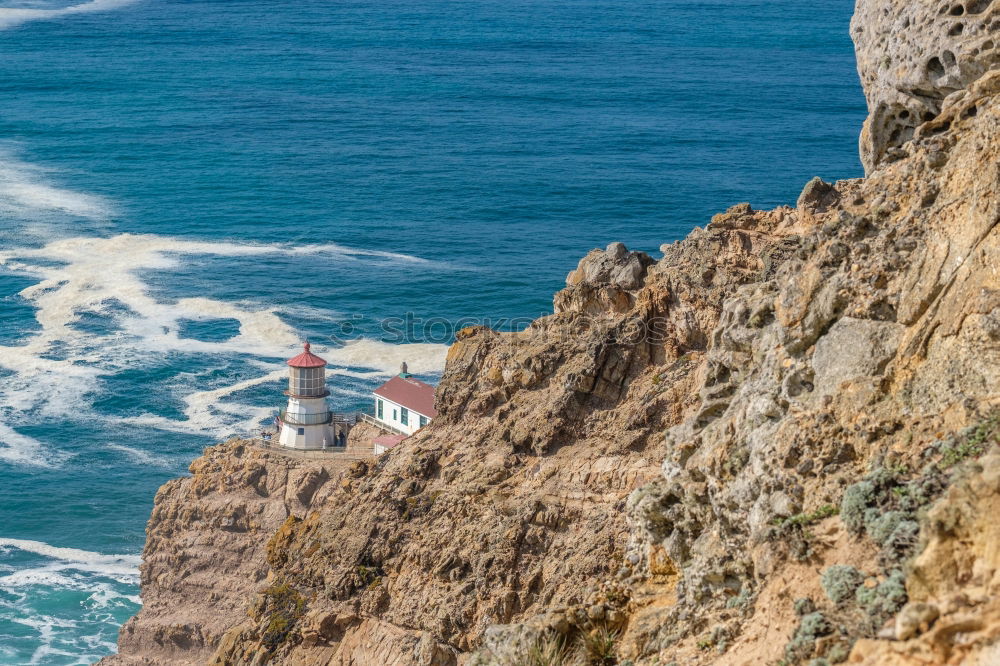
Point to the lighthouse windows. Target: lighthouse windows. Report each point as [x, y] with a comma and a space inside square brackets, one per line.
[404, 416]
[379, 408]
[302, 431]
[307, 381]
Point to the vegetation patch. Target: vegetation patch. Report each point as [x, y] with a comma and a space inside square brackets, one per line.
[840, 582]
[812, 626]
[795, 531]
[971, 442]
[885, 506]
[579, 647]
[283, 607]
[883, 600]
[370, 576]
[600, 646]
[807, 519]
[741, 600]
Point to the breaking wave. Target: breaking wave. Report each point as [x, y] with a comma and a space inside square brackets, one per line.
[73, 558]
[90, 589]
[144, 458]
[14, 16]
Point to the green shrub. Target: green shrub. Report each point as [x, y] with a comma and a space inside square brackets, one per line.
[840, 582]
[804, 606]
[547, 651]
[904, 538]
[739, 601]
[794, 530]
[857, 500]
[884, 600]
[972, 442]
[881, 527]
[839, 653]
[811, 627]
[806, 519]
[283, 607]
[601, 646]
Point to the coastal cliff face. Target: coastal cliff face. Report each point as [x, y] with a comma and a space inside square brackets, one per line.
[776, 442]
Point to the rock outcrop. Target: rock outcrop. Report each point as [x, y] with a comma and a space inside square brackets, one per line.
[206, 546]
[777, 442]
[911, 57]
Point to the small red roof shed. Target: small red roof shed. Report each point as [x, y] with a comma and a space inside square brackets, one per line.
[388, 441]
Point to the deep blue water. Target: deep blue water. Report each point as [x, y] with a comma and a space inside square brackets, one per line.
[189, 187]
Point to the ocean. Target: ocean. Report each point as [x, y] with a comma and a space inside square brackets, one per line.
[189, 188]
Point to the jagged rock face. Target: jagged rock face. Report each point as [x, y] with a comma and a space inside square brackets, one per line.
[879, 336]
[911, 56]
[604, 281]
[506, 505]
[205, 549]
[510, 502]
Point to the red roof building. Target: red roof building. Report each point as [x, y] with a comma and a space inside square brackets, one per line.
[403, 404]
[412, 393]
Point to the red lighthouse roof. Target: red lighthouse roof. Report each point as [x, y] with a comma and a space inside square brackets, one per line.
[306, 359]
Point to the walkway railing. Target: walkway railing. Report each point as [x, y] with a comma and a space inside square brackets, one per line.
[330, 453]
[368, 418]
[347, 418]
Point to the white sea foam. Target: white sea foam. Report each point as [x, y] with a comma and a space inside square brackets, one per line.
[18, 448]
[27, 192]
[75, 558]
[421, 358]
[141, 457]
[42, 576]
[333, 248]
[11, 17]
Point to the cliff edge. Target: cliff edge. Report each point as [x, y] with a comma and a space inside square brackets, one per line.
[778, 442]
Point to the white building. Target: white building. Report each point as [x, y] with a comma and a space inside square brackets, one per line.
[306, 423]
[404, 404]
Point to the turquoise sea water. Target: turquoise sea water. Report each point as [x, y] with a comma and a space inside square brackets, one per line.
[190, 187]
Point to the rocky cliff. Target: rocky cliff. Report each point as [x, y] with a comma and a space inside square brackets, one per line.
[778, 442]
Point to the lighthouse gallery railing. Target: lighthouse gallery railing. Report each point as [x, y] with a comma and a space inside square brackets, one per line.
[304, 419]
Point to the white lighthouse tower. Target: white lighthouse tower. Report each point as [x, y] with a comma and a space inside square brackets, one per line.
[307, 422]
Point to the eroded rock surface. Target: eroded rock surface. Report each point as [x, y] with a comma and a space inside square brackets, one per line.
[206, 544]
[912, 55]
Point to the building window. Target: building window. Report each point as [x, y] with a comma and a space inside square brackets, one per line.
[404, 416]
[302, 431]
[423, 421]
[379, 408]
[394, 417]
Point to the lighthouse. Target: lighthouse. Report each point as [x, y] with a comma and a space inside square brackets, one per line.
[307, 422]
